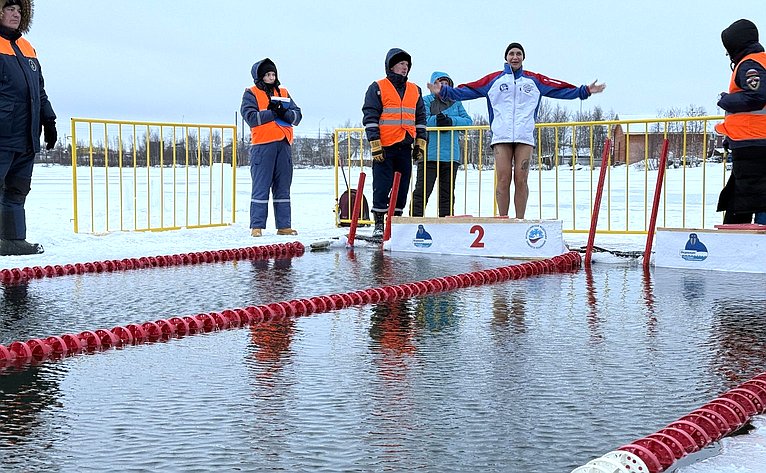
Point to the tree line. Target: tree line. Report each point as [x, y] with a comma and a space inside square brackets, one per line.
[201, 149]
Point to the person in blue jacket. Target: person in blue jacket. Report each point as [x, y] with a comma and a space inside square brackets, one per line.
[271, 114]
[443, 157]
[24, 112]
[513, 97]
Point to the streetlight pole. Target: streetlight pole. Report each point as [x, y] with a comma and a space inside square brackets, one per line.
[319, 140]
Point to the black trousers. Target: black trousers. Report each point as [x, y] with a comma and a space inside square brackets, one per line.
[427, 173]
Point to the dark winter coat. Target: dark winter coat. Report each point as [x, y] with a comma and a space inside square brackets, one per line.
[373, 106]
[24, 105]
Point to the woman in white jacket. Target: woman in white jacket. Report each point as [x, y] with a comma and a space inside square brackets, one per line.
[513, 97]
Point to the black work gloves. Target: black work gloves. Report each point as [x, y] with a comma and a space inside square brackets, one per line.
[443, 120]
[419, 150]
[278, 108]
[50, 134]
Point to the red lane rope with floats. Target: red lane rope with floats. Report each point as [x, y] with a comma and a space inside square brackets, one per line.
[252, 252]
[720, 417]
[19, 354]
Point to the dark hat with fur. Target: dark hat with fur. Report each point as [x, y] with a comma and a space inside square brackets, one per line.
[27, 11]
[739, 37]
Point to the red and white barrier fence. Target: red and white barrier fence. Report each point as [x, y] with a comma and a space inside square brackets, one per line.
[657, 452]
[19, 354]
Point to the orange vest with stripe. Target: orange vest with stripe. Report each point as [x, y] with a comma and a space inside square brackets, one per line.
[271, 131]
[26, 49]
[398, 117]
[744, 125]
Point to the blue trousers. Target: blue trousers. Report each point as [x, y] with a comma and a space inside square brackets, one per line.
[16, 179]
[398, 159]
[271, 170]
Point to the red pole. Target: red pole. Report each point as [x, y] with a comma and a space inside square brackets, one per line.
[357, 209]
[656, 203]
[392, 205]
[597, 204]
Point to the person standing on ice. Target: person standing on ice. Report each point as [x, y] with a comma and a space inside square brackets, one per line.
[513, 97]
[271, 114]
[744, 125]
[24, 112]
[395, 124]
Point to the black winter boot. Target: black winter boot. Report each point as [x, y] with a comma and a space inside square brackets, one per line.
[377, 232]
[19, 247]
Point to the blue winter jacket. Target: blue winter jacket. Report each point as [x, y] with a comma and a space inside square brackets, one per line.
[444, 145]
[24, 105]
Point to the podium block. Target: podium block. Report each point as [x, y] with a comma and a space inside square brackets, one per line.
[731, 249]
[477, 236]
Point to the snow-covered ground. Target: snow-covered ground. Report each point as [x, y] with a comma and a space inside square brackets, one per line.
[50, 222]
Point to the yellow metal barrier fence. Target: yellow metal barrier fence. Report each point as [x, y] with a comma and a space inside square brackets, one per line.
[564, 173]
[151, 176]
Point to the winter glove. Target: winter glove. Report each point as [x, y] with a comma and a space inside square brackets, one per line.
[443, 120]
[278, 108]
[377, 151]
[50, 134]
[419, 150]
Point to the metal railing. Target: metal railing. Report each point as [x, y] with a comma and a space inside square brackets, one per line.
[564, 172]
[152, 176]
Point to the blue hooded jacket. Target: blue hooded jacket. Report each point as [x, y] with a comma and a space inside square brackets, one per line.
[444, 145]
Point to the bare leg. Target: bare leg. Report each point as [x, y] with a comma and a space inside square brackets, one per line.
[522, 153]
[503, 174]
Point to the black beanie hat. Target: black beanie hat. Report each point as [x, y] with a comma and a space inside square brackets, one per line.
[9, 3]
[399, 57]
[515, 45]
[267, 66]
[738, 36]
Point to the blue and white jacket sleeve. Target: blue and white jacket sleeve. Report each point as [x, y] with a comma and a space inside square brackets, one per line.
[558, 89]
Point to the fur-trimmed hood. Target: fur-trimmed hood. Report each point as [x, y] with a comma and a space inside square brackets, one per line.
[27, 12]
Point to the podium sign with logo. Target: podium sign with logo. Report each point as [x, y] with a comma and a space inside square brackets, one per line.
[731, 249]
[478, 236]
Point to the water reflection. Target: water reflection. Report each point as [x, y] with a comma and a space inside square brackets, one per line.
[273, 282]
[509, 307]
[593, 317]
[437, 313]
[739, 336]
[24, 396]
[15, 306]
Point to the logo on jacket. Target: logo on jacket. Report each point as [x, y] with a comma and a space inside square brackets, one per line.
[527, 88]
[422, 238]
[694, 250]
[32, 65]
[503, 87]
[752, 79]
[536, 236]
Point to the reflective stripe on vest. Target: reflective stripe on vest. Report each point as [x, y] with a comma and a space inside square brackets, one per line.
[26, 49]
[744, 125]
[271, 131]
[398, 117]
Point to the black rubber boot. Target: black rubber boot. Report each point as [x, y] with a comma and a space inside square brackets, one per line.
[19, 247]
[377, 232]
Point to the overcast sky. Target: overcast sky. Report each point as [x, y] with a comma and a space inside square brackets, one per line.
[190, 60]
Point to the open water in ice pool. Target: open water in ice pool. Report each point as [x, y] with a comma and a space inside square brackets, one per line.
[534, 375]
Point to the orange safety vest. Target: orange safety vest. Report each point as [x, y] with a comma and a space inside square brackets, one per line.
[744, 125]
[271, 131]
[26, 49]
[398, 115]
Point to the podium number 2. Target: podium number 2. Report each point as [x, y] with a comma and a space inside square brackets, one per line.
[479, 230]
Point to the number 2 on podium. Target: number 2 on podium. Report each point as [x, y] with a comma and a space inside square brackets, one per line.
[479, 230]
